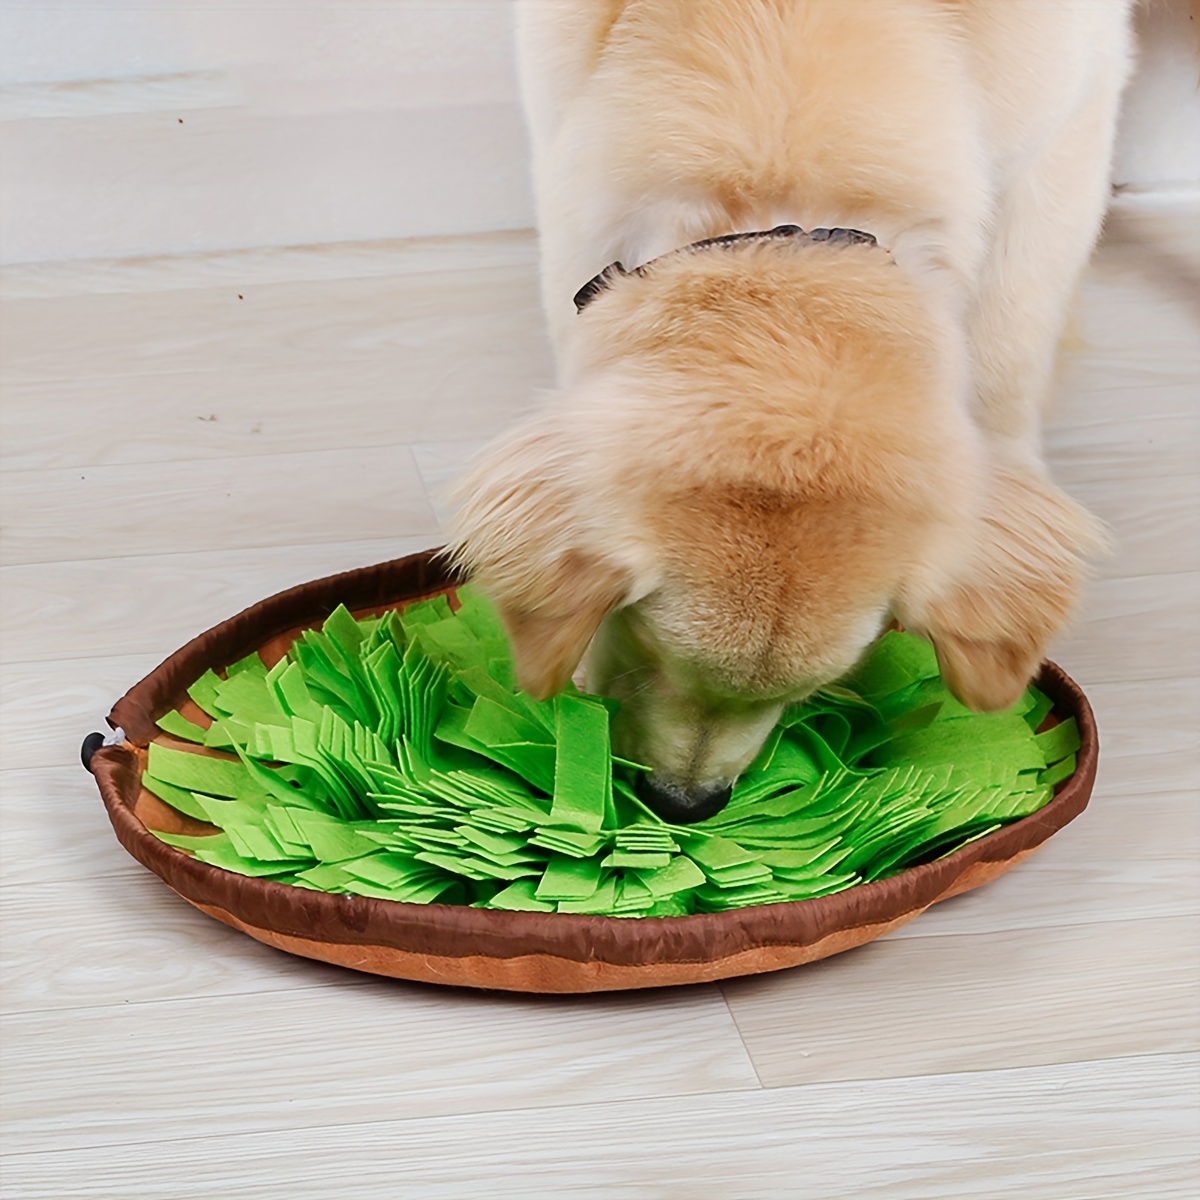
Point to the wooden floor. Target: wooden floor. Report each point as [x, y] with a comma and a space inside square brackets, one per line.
[184, 436]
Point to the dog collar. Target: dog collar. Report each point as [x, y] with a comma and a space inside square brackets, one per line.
[843, 237]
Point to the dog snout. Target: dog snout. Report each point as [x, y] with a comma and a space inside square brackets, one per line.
[683, 804]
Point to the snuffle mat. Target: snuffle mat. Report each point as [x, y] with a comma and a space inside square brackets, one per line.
[347, 772]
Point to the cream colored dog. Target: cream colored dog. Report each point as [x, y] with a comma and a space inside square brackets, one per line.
[765, 449]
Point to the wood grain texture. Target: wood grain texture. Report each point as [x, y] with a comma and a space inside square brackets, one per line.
[933, 1005]
[1152, 521]
[47, 708]
[440, 464]
[51, 831]
[245, 370]
[274, 325]
[1133, 855]
[54, 611]
[101, 940]
[1102, 441]
[1115, 1130]
[399, 257]
[1019, 1041]
[316, 496]
[1141, 627]
[1149, 735]
[343, 1056]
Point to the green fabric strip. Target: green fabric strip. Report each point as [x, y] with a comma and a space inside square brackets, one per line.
[394, 757]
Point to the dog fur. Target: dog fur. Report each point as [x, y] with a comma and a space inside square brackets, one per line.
[761, 453]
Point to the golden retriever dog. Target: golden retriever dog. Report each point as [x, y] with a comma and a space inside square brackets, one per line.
[764, 449]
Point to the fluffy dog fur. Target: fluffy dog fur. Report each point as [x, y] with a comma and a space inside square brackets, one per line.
[760, 453]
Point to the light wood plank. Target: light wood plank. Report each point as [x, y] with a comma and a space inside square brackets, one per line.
[358, 364]
[381, 1051]
[230, 503]
[1111, 437]
[46, 709]
[1137, 628]
[91, 941]
[215, 414]
[1129, 855]
[1153, 236]
[1142, 774]
[156, 1053]
[113, 934]
[442, 258]
[54, 828]
[441, 464]
[1152, 522]
[71, 610]
[1111, 1130]
[276, 326]
[1149, 735]
[933, 1005]
[1132, 372]
[1136, 321]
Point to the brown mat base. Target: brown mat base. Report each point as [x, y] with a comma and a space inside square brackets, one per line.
[520, 951]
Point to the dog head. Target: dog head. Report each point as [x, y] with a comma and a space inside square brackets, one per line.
[764, 459]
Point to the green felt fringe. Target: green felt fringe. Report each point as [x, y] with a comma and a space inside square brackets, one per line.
[395, 757]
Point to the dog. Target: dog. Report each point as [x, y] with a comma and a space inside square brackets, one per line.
[763, 449]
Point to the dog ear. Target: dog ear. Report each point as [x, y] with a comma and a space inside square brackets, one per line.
[992, 616]
[552, 625]
[521, 532]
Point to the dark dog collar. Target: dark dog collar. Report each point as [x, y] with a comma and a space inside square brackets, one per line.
[843, 237]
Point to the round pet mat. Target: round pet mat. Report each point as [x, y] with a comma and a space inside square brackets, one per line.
[518, 951]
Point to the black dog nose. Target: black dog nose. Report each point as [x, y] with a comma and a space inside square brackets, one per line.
[681, 804]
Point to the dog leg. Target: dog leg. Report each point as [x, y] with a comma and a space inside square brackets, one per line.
[1047, 224]
[559, 44]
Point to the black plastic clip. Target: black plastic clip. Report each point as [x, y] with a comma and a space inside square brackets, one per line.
[91, 744]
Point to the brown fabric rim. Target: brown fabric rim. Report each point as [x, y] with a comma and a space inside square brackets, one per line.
[448, 931]
[380, 586]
